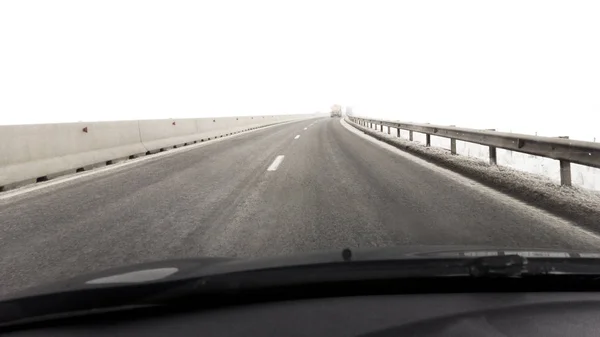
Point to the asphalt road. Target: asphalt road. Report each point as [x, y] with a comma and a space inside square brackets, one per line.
[332, 189]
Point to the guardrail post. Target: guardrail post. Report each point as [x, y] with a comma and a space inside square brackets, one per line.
[410, 135]
[398, 131]
[381, 128]
[493, 158]
[565, 170]
[565, 173]
[492, 150]
[427, 139]
[452, 144]
[388, 130]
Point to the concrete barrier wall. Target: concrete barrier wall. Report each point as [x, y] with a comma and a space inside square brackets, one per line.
[28, 152]
[163, 133]
[37, 152]
[209, 128]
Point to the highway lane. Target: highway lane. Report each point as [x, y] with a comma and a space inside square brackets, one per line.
[298, 187]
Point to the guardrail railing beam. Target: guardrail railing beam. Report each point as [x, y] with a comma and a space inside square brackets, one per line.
[562, 149]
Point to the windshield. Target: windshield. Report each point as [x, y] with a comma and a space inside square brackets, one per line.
[137, 131]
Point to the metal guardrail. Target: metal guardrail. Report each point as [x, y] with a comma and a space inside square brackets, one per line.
[562, 149]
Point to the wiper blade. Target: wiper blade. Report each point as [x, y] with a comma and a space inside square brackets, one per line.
[499, 266]
[515, 266]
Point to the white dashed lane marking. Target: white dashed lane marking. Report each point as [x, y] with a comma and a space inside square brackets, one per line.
[276, 163]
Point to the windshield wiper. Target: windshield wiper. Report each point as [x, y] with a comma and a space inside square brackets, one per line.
[499, 266]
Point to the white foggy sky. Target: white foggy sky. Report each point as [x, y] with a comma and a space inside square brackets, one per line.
[512, 65]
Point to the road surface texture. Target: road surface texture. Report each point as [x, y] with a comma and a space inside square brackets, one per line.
[298, 187]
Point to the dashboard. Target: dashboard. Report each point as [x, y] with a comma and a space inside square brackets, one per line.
[479, 314]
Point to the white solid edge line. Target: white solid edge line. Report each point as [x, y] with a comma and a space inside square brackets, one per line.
[121, 165]
[562, 226]
[297, 136]
[276, 163]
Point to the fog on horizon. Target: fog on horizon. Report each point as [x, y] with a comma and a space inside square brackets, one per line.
[521, 66]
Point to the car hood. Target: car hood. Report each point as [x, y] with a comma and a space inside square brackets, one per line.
[179, 269]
